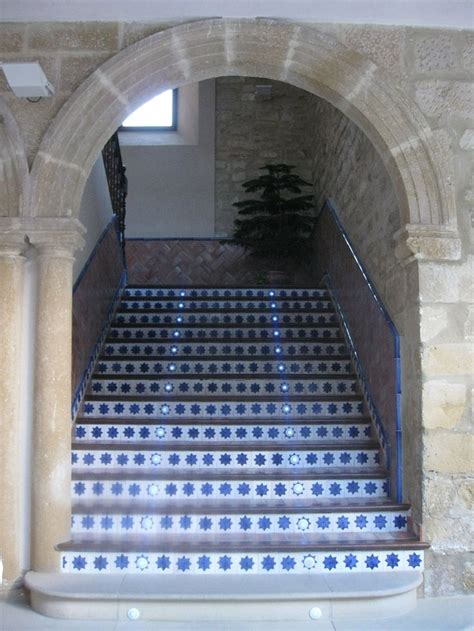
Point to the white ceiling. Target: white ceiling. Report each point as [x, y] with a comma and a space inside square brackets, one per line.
[447, 13]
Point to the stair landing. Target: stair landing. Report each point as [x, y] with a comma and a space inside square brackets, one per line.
[194, 598]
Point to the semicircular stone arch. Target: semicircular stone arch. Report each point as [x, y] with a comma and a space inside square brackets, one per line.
[13, 166]
[298, 55]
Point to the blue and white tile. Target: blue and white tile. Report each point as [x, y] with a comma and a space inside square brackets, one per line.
[153, 458]
[226, 292]
[237, 349]
[310, 562]
[230, 433]
[186, 332]
[123, 488]
[221, 385]
[226, 304]
[245, 524]
[184, 317]
[179, 366]
[215, 408]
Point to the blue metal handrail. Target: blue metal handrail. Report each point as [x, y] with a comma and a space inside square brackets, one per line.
[329, 205]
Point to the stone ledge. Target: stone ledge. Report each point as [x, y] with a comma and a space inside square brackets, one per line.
[180, 598]
[427, 242]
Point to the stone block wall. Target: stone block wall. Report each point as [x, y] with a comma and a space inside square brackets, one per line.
[447, 363]
[431, 302]
[252, 131]
[348, 170]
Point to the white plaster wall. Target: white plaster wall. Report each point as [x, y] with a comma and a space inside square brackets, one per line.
[171, 187]
[96, 212]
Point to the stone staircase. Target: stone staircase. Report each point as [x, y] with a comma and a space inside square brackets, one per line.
[224, 433]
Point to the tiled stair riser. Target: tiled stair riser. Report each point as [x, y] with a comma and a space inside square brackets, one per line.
[177, 306]
[179, 366]
[154, 458]
[171, 435]
[152, 490]
[200, 333]
[244, 524]
[235, 349]
[174, 387]
[217, 317]
[156, 409]
[209, 292]
[246, 402]
[309, 562]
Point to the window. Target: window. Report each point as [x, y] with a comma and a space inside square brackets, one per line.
[158, 114]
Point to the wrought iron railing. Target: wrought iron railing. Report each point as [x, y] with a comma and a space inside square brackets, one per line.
[118, 183]
[372, 337]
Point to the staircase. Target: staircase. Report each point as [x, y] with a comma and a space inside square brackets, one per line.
[224, 433]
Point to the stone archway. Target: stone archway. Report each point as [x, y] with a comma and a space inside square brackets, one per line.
[295, 54]
[189, 53]
[13, 166]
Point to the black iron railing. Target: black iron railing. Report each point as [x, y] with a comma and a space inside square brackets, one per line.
[118, 183]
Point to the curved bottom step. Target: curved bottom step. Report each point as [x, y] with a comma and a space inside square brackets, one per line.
[213, 598]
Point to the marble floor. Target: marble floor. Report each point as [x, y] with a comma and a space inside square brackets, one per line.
[431, 614]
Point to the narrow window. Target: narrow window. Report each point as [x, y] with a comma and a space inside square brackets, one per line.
[158, 114]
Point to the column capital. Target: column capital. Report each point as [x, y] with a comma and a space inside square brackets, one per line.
[416, 242]
[51, 236]
[13, 245]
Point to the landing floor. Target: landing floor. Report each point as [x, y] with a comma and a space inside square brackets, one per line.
[431, 614]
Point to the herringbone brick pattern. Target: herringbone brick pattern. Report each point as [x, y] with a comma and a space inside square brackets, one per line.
[197, 262]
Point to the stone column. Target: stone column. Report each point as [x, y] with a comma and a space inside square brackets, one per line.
[12, 262]
[51, 460]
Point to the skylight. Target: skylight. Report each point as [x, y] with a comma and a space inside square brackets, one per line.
[157, 113]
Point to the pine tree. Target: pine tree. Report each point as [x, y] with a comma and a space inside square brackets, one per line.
[279, 224]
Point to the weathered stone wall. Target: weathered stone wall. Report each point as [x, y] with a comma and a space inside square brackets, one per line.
[68, 53]
[437, 362]
[447, 362]
[434, 68]
[348, 170]
[252, 132]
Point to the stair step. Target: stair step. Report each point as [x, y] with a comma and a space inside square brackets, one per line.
[208, 599]
[301, 407]
[151, 456]
[228, 304]
[255, 385]
[210, 334]
[205, 486]
[326, 420]
[195, 291]
[294, 367]
[215, 317]
[287, 476]
[211, 433]
[211, 598]
[221, 556]
[239, 505]
[212, 542]
[265, 348]
[254, 445]
[112, 518]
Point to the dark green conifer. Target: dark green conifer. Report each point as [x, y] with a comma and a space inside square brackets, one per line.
[279, 224]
